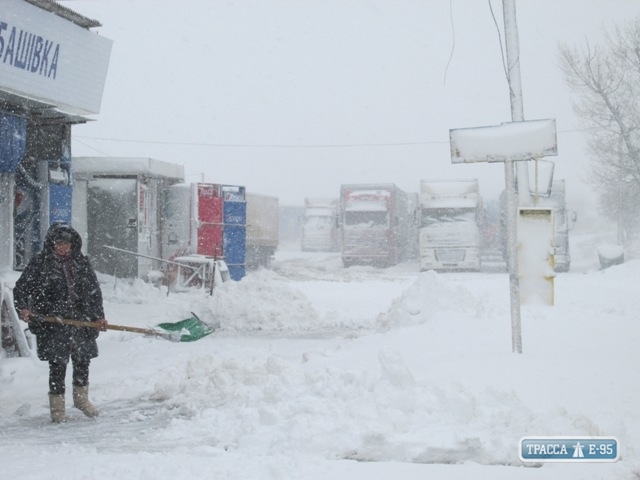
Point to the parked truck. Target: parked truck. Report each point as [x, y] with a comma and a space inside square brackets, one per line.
[450, 219]
[262, 230]
[320, 225]
[375, 224]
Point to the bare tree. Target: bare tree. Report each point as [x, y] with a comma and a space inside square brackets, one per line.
[607, 80]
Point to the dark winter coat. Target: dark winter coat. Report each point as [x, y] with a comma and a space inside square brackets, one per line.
[43, 288]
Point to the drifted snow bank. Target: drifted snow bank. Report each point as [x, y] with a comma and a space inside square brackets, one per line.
[429, 379]
[361, 399]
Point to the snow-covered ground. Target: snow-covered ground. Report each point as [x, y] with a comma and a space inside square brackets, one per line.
[320, 372]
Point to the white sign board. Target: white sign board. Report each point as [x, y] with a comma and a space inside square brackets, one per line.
[47, 58]
[508, 141]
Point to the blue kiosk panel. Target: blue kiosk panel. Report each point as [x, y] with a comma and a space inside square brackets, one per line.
[234, 234]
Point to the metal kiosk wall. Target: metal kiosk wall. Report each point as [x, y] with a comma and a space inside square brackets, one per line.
[234, 236]
[118, 203]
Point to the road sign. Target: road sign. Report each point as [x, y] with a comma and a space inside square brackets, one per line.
[510, 141]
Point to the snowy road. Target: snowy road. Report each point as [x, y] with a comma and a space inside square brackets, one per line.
[322, 372]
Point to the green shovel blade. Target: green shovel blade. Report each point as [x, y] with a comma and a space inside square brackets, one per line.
[190, 329]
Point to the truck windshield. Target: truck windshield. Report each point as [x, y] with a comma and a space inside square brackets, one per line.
[366, 219]
[318, 222]
[431, 217]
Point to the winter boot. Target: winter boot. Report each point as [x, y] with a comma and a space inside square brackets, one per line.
[56, 405]
[81, 401]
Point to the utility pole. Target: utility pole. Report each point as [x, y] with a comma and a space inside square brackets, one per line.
[515, 142]
[517, 115]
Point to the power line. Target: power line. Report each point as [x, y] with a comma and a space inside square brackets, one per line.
[261, 145]
[90, 147]
[276, 145]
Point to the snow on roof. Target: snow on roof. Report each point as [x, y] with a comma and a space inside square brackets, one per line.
[66, 13]
[370, 193]
[87, 166]
[449, 193]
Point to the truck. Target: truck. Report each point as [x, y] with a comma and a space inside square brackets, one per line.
[449, 229]
[375, 224]
[262, 230]
[320, 225]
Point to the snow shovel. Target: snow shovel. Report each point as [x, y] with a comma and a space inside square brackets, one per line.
[187, 330]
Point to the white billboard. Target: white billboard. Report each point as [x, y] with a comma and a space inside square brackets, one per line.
[47, 58]
[514, 141]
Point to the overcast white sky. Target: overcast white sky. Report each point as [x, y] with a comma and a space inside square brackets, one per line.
[292, 98]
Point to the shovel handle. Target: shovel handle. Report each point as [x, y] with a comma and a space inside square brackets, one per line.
[124, 328]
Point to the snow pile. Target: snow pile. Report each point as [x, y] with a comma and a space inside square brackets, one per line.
[430, 297]
[274, 406]
[308, 378]
[264, 302]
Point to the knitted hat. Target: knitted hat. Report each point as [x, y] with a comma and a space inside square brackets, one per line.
[62, 233]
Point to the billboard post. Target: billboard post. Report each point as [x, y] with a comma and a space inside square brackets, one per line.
[508, 142]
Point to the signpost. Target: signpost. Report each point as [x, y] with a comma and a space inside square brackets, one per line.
[508, 142]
